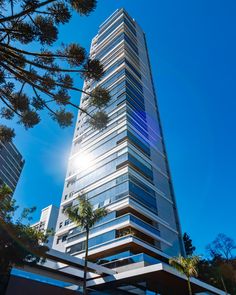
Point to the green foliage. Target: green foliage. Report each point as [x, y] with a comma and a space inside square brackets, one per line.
[75, 54]
[60, 12]
[99, 120]
[6, 134]
[45, 75]
[63, 118]
[219, 272]
[220, 268]
[93, 70]
[186, 266]
[6, 113]
[126, 232]
[7, 205]
[29, 118]
[188, 245]
[84, 216]
[19, 243]
[99, 97]
[83, 6]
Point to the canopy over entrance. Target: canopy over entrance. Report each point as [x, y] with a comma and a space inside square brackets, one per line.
[159, 278]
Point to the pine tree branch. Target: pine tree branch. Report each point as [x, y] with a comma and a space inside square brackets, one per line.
[12, 7]
[43, 12]
[36, 25]
[7, 104]
[25, 12]
[45, 104]
[36, 54]
[52, 69]
[38, 77]
[7, 34]
[41, 89]
[22, 87]
[11, 31]
[24, 78]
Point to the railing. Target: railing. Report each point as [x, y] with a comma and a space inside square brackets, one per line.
[128, 218]
[130, 260]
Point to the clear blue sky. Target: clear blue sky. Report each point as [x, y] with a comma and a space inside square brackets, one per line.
[192, 46]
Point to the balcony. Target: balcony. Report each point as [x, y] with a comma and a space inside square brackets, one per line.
[142, 257]
[117, 223]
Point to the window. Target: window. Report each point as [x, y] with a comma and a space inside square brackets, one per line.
[102, 36]
[142, 197]
[64, 238]
[140, 167]
[139, 143]
[67, 222]
[93, 242]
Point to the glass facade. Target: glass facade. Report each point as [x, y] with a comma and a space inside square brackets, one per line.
[11, 164]
[127, 168]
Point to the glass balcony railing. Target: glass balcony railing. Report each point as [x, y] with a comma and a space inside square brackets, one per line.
[132, 259]
[143, 224]
[128, 219]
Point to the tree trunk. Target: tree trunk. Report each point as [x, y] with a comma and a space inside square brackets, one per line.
[5, 271]
[223, 283]
[189, 287]
[86, 262]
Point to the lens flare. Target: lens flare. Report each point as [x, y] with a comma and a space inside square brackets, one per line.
[83, 161]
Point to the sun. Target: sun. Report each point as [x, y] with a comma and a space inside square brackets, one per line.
[83, 161]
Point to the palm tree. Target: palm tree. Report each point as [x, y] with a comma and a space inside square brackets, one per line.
[186, 266]
[85, 217]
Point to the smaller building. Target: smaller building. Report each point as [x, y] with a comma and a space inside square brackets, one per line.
[11, 164]
[47, 221]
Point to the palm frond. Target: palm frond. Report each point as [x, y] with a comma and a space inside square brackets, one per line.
[186, 265]
[98, 214]
[83, 214]
[72, 213]
[176, 262]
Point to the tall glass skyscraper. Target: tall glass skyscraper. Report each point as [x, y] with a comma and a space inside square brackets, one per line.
[11, 164]
[123, 167]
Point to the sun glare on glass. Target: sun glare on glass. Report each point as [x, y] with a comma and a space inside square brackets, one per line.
[83, 161]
